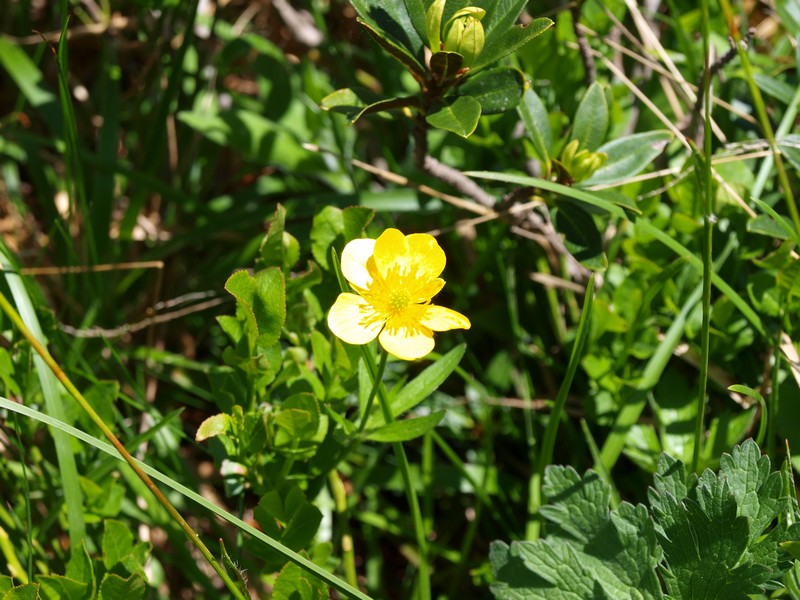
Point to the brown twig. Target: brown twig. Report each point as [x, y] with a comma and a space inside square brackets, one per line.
[589, 66]
[715, 68]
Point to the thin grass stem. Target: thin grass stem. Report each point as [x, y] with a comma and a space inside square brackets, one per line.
[549, 439]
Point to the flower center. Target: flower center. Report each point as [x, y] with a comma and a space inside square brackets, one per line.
[399, 299]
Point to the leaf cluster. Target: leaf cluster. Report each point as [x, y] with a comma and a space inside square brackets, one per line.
[720, 535]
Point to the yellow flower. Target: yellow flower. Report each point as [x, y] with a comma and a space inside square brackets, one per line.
[395, 277]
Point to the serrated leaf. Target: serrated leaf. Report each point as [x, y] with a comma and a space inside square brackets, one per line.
[537, 122]
[29, 591]
[406, 429]
[81, 568]
[757, 491]
[294, 583]
[262, 300]
[628, 156]
[286, 516]
[58, 587]
[117, 542]
[497, 90]
[461, 117]
[299, 418]
[213, 426]
[233, 571]
[576, 506]
[591, 119]
[115, 587]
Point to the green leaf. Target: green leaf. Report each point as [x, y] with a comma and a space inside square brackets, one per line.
[81, 567]
[29, 591]
[537, 123]
[287, 516]
[461, 117]
[775, 87]
[766, 225]
[115, 587]
[789, 279]
[233, 572]
[258, 539]
[406, 429]
[582, 238]
[262, 300]
[419, 388]
[278, 248]
[591, 119]
[117, 542]
[500, 43]
[294, 583]
[355, 220]
[332, 225]
[58, 587]
[789, 13]
[213, 426]
[357, 102]
[590, 553]
[394, 25]
[29, 80]
[6, 584]
[298, 418]
[590, 198]
[497, 90]
[781, 220]
[255, 136]
[628, 156]
[789, 146]
[445, 65]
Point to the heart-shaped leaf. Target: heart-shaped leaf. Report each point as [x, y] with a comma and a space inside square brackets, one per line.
[460, 117]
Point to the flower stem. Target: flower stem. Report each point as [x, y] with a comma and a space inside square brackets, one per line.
[348, 556]
[704, 174]
[13, 315]
[376, 383]
[549, 440]
[405, 472]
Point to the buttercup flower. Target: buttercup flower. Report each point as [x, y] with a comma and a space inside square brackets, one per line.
[395, 278]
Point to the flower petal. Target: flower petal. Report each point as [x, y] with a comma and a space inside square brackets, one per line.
[440, 318]
[427, 257]
[354, 262]
[354, 320]
[391, 255]
[406, 339]
[427, 291]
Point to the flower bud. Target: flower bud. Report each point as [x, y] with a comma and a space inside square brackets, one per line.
[433, 21]
[464, 34]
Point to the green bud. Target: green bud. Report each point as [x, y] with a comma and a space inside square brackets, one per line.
[433, 20]
[464, 34]
[568, 154]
